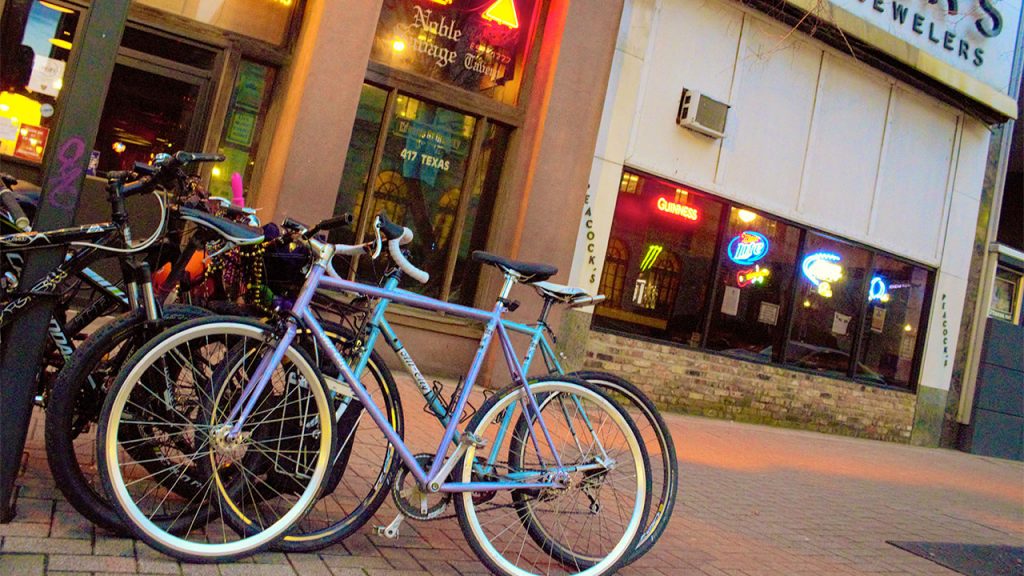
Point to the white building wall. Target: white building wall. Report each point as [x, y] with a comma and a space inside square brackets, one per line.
[813, 136]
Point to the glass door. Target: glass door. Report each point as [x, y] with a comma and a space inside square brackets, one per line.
[157, 100]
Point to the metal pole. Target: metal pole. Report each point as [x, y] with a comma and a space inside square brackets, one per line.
[66, 158]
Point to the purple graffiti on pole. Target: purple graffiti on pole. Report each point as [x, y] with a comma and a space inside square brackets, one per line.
[62, 188]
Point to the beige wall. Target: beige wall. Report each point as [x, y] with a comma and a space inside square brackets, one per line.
[315, 117]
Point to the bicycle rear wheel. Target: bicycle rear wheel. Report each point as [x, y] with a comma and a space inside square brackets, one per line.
[591, 524]
[655, 435]
[270, 472]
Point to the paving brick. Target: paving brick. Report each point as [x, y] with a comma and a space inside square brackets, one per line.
[247, 569]
[91, 564]
[23, 564]
[46, 545]
[124, 547]
[309, 565]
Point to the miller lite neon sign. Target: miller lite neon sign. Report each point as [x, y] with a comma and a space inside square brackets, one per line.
[747, 247]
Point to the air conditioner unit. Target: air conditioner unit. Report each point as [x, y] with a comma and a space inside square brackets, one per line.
[702, 114]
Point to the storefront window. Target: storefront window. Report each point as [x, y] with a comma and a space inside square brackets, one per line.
[896, 298]
[662, 248]
[243, 126]
[35, 45]
[1006, 294]
[757, 265]
[263, 19]
[418, 178]
[478, 45]
[830, 297]
[478, 214]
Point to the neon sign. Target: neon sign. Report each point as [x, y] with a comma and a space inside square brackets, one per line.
[653, 251]
[752, 277]
[682, 210]
[748, 247]
[503, 12]
[823, 269]
[878, 290]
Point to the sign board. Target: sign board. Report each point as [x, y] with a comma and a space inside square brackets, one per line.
[478, 45]
[965, 44]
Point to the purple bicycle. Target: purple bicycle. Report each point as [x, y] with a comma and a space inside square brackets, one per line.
[239, 411]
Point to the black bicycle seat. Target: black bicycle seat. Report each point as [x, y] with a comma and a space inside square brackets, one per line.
[231, 231]
[527, 271]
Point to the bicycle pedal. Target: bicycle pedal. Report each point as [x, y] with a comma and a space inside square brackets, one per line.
[391, 530]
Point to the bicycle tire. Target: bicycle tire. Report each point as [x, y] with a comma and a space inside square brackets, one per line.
[74, 406]
[543, 556]
[666, 490]
[227, 456]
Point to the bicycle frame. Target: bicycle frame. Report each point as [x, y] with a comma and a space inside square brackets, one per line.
[433, 478]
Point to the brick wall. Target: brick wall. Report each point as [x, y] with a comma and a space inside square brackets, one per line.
[695, 382]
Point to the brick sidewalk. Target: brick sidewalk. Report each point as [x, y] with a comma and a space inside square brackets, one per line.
[753, 501]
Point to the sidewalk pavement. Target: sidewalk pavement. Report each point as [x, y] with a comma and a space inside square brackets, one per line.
[753, 501]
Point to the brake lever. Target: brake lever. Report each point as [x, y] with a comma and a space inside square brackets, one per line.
[378, 244]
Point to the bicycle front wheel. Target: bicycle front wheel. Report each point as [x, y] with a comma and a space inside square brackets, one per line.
[592, 521]
[167, 451]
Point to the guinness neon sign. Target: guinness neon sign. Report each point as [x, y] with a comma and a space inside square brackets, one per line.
[681, 210]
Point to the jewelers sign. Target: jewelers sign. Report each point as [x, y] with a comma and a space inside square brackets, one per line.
[975, 37]
[474, 44]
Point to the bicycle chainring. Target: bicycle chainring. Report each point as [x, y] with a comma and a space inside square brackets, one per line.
[412, 500]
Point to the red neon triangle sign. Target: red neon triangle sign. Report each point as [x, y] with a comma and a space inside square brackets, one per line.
[503, 12]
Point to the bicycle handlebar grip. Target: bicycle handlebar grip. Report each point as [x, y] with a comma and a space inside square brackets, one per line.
[137, 187]
[10, 203]
[390, 230]
[293, 225]
[189, 157]
[329, 224]
[394, 247]
[145, 169]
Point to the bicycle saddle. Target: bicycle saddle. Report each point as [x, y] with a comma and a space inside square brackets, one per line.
[528, 272]
[232, 232]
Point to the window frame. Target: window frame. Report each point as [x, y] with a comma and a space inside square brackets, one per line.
[481, 127]
[787, 319]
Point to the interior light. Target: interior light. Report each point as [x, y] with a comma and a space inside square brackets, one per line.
[119, 147]
[398, 45]
[55, 7]
[747, 216]
[215, 172]
[60, 43]
[807, 303]
[908, 328]
[503, 12]
[4, 108]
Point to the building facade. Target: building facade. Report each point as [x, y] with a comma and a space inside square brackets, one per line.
[792, 247]
[805, 262]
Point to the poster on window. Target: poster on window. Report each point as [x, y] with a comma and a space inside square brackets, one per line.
[768, 314]
[878, 320]
[31, 142]
[840, 323]
[731, 301]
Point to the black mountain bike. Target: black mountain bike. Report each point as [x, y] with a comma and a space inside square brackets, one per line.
[75, 397]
